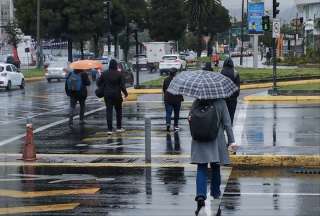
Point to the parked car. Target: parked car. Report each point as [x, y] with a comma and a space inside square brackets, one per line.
[171, 61]
[56, 70]
[10, 76]
[143, 63]
[127, 71]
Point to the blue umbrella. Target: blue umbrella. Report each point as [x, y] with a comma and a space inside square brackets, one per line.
[202, 85]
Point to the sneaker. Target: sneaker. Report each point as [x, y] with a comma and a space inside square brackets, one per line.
[200, 204]
[168, 128]
[109, 132]
[120, 130]
[176, 129]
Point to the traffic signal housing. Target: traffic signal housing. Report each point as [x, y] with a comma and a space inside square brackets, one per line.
[275, 6]
[266, 23]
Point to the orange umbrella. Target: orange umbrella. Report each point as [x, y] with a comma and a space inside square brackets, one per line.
[86, 65]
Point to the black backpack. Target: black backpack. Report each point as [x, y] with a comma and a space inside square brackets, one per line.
[204, 122]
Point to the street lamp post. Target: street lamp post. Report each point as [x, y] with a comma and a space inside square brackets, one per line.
[107, 6]
[242, 26]
[137, 57]
[39, 45]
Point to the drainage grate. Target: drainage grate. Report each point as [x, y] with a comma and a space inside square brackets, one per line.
[308, 171]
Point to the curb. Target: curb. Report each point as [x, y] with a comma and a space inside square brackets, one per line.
[33, 79]
[242, 87]
[253, 98]
[275, 161]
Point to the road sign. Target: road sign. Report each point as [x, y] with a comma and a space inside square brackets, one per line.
[276, 28]
[255, 14]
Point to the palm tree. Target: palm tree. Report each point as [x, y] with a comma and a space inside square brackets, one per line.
[200, 12]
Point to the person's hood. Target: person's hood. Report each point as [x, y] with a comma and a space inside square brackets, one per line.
[228, 63]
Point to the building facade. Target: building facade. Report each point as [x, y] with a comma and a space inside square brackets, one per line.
[6, 14]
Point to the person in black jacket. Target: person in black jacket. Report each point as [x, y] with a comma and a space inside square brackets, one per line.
[171, 102]
[78, 96]
[229, 71]
[113, 83]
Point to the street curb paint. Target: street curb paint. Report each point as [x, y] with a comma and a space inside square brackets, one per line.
[236, 161]
[39, 208]
[33, 79]
[242, 87]
[254, 98]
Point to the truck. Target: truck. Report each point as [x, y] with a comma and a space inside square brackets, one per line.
[155, 51]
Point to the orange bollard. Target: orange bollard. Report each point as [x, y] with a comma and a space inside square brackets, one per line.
[29, 150]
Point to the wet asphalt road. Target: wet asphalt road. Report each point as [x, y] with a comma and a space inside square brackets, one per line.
[161, 191]
[259, 128]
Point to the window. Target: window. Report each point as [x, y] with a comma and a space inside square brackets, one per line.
[1, 68]
[8, 68]
[169, 57]
[14, 68]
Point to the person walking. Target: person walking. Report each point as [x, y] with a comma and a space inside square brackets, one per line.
[113, 83]
[76, 88]
[209, 119]
[268, 56]
[172, 102]
[229, 71]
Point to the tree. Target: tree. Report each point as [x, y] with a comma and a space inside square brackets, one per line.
[14, 36]
[135, 11]
[200, 11]
[167, 20]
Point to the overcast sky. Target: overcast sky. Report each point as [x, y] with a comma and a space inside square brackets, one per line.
[284, 4]
[287, 7]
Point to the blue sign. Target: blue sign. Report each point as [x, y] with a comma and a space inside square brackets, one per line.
[255, 14]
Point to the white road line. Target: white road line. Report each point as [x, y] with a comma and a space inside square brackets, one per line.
[238, 122]
[45, 127]
[272, 194]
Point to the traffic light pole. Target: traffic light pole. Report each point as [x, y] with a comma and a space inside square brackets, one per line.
[274, 75]
[275, 6]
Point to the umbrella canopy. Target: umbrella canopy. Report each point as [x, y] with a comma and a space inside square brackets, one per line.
[86, 65]
[202, 85]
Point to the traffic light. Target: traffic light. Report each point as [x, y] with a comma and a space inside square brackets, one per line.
[265, 23]
[275, 8]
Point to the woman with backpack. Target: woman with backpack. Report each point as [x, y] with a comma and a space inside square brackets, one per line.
[208, 120]
[76, 88]
[229, 71]
[172, 102]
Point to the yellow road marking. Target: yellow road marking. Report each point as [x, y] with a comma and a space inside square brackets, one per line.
[39, 208]
[100, 155]
[90, 139]
[281, 98]
[34, 194]
[236, 160]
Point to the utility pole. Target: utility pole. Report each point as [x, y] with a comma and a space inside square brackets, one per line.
[107, 10]
[39, 44]
[242, 26]
[275, 6]
[137, 57]
[295, 36]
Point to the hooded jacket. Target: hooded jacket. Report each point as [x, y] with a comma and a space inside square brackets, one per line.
[229, 71]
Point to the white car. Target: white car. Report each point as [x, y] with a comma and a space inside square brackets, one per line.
[10, 77]
[57, 70]
[171, 61]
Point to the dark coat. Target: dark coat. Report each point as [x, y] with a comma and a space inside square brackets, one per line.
[215, 151]
[168, 97]
[83, 93]
[113, 83]
[229, 71]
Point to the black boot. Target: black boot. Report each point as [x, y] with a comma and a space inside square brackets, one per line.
[200, 204]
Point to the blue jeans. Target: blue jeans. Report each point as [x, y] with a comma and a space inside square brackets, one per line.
[202, 176]
[176, 109]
